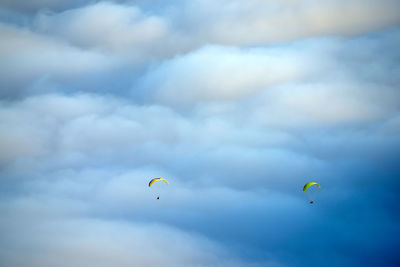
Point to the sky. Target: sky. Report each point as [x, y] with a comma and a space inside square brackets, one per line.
[238, 103]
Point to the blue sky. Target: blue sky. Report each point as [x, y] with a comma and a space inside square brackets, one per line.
[237, 103]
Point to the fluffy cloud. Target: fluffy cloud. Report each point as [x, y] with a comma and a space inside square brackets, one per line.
[119, 29]
[260, 22]
[105, 42]
[77, 242]
[97, 98]
[201, 75]
[209, 21]
[140, 31]
[28, 57]
[317, 81]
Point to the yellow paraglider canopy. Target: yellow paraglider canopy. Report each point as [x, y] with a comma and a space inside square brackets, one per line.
[157, 179]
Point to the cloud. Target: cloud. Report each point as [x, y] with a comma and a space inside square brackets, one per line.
[201, 75]
[311, 82]
[230, 202]
[259, 22]
[42, 58]
[142, 31]
[72, 49]
[36, 5]
[237, 103]
[202, 22]
[92, 129]
[110, 27]
[78, 242]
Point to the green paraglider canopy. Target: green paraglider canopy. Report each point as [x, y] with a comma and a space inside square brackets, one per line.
[307, 185]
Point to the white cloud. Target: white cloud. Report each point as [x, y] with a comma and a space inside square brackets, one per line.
[80, 242]
[329, 104]
[205, 94]
[223, 73]
[259, 22]
[112, 28]
[27, 56]
[140, 33]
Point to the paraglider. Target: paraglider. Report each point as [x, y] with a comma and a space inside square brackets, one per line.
[152, 181]
[157, 179]
[307, 185]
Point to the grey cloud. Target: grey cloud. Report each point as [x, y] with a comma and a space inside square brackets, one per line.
[110, 209]
[266, 226]
[119, 29]
[90, 47]
[80, 242]
[178, 27]
[97, 130]
[247, 198]
[43, 58]
[289, 20]
[36, 5]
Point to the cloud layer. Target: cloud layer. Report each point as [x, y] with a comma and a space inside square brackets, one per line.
[237, 103]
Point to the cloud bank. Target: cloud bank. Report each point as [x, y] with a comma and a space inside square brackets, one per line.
[237, 103]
